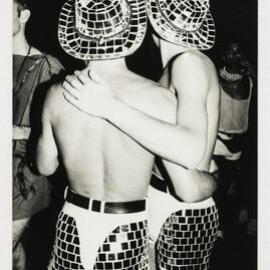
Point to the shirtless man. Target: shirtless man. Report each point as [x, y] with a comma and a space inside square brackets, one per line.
[184, 233]
[103, 222]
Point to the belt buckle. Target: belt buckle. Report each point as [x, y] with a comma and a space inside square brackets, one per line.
[93, 207]
[66, 192]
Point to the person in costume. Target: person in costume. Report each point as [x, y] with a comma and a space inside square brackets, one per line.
[103, 223]
[182, 29]
[184, 233]
[32, 73]
[236, 77]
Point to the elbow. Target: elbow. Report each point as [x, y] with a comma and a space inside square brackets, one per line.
[214, 185]
[197, 195]
[201, 189]
[47, 169]
[191, 197]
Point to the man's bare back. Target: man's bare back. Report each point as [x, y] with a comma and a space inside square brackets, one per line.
[182, 133]
[101, 161]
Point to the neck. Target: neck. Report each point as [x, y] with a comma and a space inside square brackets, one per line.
[20, 44]
[106, 67]
[169, 50]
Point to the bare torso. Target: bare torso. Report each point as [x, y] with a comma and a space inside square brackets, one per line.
[101, 161]
[213, 98]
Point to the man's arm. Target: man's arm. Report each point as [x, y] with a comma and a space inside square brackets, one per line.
[191, 82]
[47, 154]
[191, 185]
[182, 142]
[155, 130]
[184, 139]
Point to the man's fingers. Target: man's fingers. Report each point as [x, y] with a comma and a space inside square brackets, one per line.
[95, 77]
[84, 79]
[81, 77]
[71, 90]
[73, 81]
[74, 102]
[70, 99]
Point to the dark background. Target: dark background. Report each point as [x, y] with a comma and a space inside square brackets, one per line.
[236, 20]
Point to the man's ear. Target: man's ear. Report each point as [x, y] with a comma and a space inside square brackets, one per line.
[25, 15]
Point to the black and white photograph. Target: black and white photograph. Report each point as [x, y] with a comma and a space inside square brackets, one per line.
[132, 135]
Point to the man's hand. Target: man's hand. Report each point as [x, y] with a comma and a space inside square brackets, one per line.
[89, 93]
[20, 132]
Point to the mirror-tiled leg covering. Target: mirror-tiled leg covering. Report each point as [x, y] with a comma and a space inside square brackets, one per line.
[125, 248]
[95, 235]
[186, 239]
[66, 253]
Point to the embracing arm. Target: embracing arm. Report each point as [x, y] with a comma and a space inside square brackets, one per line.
[177, 133]
[162, 137]
[181, 135]
[191, 185]
[47, 155]
[191, 82]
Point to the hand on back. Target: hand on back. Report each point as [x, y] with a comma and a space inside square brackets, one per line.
[88, 92]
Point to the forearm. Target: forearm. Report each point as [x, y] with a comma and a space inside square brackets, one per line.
[204, 186]
[158, 133]
[47, 163]
[191, 185]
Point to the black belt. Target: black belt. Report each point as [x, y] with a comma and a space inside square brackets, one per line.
[158, 183]
[104, 207]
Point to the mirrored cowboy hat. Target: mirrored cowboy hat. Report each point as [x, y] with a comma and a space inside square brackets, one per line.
[102, 29]
[183, 22]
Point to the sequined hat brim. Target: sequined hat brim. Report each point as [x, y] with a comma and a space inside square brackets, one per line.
[85, 48]
[202, 38]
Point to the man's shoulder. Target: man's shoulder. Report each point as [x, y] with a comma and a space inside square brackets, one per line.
[54, 97]
[149, 96]
[145, 85]
[195, 60]
[193, 74]
[193, 67]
